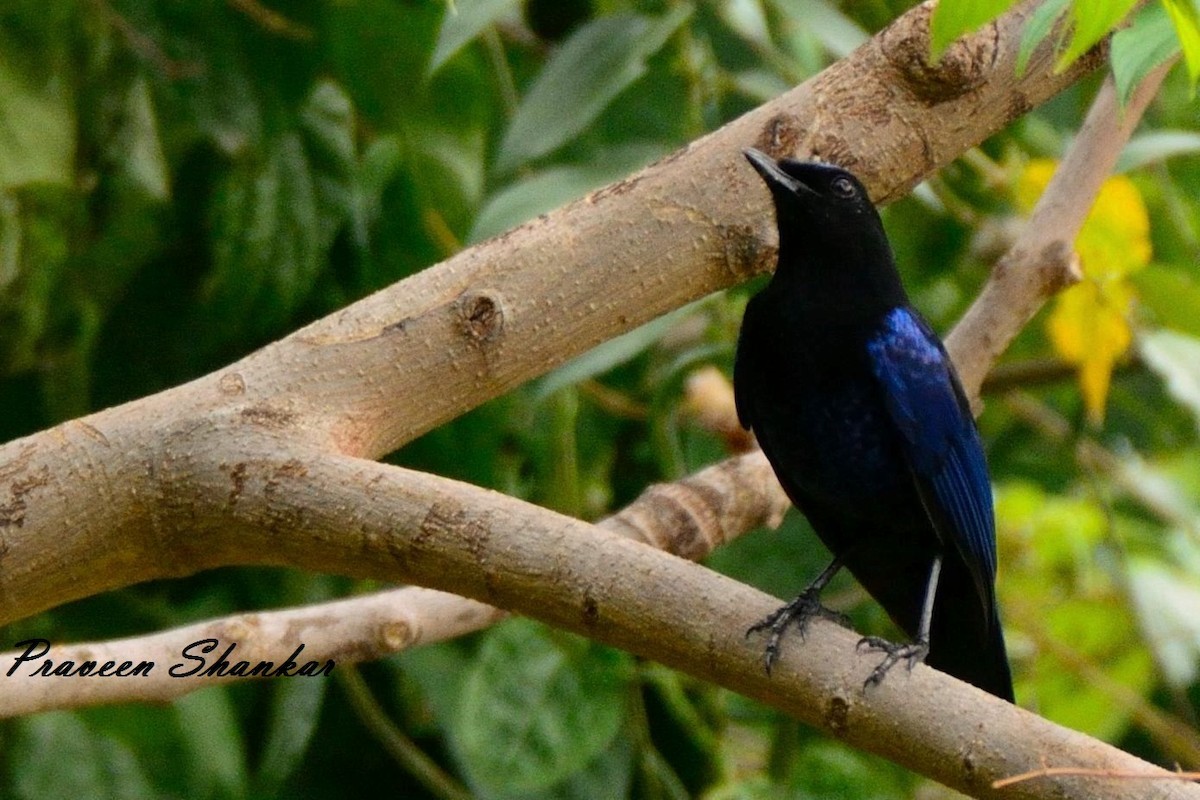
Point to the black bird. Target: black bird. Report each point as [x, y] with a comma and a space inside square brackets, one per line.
[860, 412]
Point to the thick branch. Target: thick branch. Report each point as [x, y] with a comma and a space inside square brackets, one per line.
[354, 515]
[505, 552]
[424, 351]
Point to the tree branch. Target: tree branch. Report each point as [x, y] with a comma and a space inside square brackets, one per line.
[688, 518]
[1043, 259]
[470, 541]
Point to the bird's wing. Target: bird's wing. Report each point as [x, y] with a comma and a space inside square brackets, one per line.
[743, 367]
[940, 441]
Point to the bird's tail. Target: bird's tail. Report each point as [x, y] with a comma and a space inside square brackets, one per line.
[983, 663]
[963, 640]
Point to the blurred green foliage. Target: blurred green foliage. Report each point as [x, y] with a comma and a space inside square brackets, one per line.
[183, 182]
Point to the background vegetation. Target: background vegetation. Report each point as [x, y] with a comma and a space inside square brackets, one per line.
[181, 183]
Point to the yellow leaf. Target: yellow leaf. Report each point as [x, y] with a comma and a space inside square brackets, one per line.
[1033, 181]
[1089, 326]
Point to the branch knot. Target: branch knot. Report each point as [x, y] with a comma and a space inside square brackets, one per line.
[480, 315]
[966, 64]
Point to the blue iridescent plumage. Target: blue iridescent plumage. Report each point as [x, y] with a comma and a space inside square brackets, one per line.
[940, 441]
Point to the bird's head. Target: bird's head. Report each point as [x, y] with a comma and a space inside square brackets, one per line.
[813, 189]
[830, 235]
[822, 210]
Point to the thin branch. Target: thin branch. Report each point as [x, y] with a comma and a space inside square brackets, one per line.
[1043, 261]
[272, 21]
[1083, 772]
[144, 46]
[1041, 372]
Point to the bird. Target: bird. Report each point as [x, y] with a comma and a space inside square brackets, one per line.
[861, 414]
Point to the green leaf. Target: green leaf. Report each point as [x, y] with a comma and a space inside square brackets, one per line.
[380, 162]
[594, 65]
[37, 126]
[1176, 359]
[439, 672]
[1152, 147]
[1186, 19]
[537, 707]
[464, 22]
[447, 161]
[275, 219]
[607, 775]
[135, 145]
[615, 351]
[212, 740]
[746, 19]
[1141, 47]
[1092, 20]
[1166, 599]
[380, 50]
[57, 755]
[1102, 631]
[265, 248]
[831, 769]
[1172, 296]
[760, 85]
[953, 18]
[550, 188]
[327, 128]
[836, 32]
[295, 711]
[1041, 23]
[10, 240]
[36, 236]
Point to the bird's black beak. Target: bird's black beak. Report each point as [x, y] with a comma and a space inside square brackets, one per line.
[776, 178]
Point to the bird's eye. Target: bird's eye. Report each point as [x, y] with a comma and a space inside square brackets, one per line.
[842, 187]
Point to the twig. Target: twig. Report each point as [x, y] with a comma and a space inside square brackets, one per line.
[272, 21]
[1041, 372]
[399, 747]
[145, 47]
[1084, 772]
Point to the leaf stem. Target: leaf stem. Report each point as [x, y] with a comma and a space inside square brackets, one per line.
[401, 748]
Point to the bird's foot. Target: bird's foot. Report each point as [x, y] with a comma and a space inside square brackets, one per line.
[912, 652]
[799, 612]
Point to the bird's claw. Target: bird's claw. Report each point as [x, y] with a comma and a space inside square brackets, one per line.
[912, 652]
[799, 613]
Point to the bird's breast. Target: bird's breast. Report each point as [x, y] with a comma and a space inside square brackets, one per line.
[834, 439]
